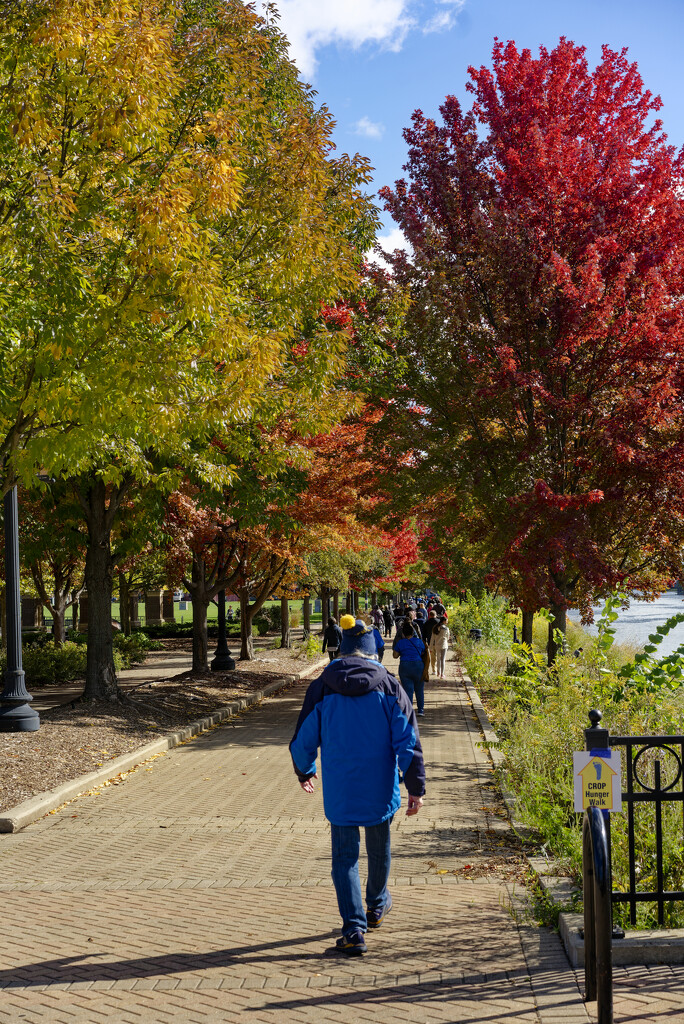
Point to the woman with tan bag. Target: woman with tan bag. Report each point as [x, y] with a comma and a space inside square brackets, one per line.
[439, 645]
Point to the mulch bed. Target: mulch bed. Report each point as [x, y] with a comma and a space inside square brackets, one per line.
[77, 738]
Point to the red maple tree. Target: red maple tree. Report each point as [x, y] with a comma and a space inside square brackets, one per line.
[545, 332]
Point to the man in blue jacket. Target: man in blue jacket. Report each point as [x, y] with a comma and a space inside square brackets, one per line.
[360, 717]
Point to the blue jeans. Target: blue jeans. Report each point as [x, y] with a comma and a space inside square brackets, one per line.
[411, 678]
[346, 845]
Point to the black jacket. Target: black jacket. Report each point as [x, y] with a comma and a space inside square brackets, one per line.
[332, 637]
[426, 629]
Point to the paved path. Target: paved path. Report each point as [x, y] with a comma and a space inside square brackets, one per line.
[157, 665]
[198, 890]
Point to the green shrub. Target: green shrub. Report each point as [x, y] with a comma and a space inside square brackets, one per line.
[132, 649]
[488, 614]
[49, 663]
[311, 647]
[540, 715]
[261, 624]
[183, 630]
[272, 615]
[46, 662]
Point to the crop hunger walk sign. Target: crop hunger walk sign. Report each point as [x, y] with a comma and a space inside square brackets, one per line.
[597, 780]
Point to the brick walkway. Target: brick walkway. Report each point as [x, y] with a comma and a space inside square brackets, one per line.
[198, 890]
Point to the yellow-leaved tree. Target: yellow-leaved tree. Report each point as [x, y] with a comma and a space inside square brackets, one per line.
[171, 215]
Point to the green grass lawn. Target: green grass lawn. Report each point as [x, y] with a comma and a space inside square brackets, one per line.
[185, 615]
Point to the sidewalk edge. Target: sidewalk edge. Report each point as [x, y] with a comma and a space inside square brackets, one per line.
[30, 810]
[490, 737]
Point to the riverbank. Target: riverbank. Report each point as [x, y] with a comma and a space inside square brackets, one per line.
[540, 714]
[642, 618]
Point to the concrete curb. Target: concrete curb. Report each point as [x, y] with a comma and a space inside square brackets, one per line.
[35, 807]
[639, 947]
[495, 754]
[636, 949]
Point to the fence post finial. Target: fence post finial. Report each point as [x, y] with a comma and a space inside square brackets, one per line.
[595, 737]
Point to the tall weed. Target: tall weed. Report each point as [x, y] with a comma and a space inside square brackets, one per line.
[540, 715]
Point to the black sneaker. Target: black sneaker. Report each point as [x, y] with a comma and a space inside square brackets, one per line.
[353, 944]
[376, 917]
[421, 714]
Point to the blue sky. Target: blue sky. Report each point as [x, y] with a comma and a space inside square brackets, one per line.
[373, 62]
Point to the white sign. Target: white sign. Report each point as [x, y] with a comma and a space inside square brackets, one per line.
[597, 780]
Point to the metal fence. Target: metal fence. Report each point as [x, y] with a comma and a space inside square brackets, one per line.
[648, 780]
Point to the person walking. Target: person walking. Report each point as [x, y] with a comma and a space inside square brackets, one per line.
[439, 643]
[426, 629]
[359, 717]
[332, 638]
[410, 649]
[411, 617]
[379, 644]
[427, 626]
[388, 618]
[377, 616]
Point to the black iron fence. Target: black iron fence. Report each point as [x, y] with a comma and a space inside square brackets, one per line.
[653, 775]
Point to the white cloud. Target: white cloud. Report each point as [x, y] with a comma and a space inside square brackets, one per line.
[369, 129]
[394, 239]
[312, 24]
[444, 19]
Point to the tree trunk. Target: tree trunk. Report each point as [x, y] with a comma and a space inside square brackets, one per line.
[374, 598]
[101, 679]
[285, 622]
[558, 621]
[200, 605]
[58, 618]
[246, 638]
[74, 610]
[306, 614]
[124, 604]
[325, 607]
[336, 605]
[527, 623]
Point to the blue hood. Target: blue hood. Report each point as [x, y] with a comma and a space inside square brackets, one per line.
[352, 677]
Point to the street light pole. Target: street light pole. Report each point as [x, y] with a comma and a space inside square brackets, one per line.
[16, 715]
[222, 660]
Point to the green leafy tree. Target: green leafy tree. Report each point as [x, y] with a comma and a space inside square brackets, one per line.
[170, 216]
[52, 545]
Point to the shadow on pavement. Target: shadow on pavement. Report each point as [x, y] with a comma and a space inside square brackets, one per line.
[68, 970]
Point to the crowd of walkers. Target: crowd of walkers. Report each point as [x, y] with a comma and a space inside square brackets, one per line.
[421, 641]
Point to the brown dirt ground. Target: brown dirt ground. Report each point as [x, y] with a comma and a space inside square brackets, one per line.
[77, 738]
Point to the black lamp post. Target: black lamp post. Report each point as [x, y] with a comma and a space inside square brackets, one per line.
[222, 660]
[16, 715]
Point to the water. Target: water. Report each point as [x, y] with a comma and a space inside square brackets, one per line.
[643, 617]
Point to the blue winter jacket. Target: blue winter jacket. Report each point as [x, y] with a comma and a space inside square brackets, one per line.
[362, 720]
